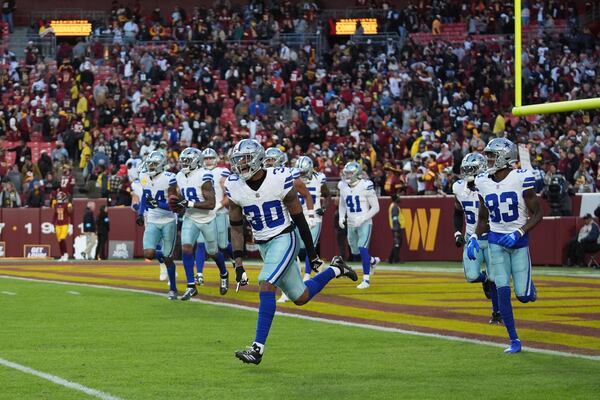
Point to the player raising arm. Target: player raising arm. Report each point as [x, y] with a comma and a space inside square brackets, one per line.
[269, 202]
[508, 196]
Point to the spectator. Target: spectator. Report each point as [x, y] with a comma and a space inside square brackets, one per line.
[89, 231]
[397, 225]
[35, 198]
[103, 227]
[9, 197]
[8, 7]
[585, 242]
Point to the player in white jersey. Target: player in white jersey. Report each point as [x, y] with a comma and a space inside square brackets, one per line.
[196, 195]
[266, 198]
[466, 206]
[219, 175]
[508, 197]
[316, 184]
[358, 204]
[160, 221]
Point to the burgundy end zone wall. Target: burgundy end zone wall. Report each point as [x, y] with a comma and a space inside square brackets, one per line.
[548, 240]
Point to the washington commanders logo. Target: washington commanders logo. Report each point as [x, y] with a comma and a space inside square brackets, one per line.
[421, 228]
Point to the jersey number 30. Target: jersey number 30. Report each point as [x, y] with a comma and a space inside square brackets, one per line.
[493, 201]
[273, 215]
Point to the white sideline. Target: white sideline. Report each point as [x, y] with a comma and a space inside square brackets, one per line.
[319, 319]
[59, 381]
[9, 293]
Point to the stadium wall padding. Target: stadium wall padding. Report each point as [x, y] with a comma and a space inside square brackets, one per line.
[428, 234]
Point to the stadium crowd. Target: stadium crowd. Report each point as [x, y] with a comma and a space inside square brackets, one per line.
[407, 113]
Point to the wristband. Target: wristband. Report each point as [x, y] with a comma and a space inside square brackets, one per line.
[190, 204]
[474, 236]
[457, 233]
[521, 231]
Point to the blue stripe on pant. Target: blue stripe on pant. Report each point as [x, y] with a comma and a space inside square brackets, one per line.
[163, 234]
[472, 268]
[515, 263]
[278, 255]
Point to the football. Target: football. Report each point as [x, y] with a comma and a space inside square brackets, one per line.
[174, 199]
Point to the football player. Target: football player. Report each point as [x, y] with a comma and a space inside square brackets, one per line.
[507, 196]
[161, 222]
[219, 175]
[136, 195]
[267, 199]
[359, 204]
[195, 185]
[466, 206]
[61, 219]
[316, 184]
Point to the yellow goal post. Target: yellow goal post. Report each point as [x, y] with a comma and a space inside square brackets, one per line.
[544, 108]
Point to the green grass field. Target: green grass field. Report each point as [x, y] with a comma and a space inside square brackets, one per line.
[141, 346]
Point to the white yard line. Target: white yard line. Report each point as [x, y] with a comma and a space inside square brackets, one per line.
[318, 319]
[9, 293]
[74, 293]
[59, 381]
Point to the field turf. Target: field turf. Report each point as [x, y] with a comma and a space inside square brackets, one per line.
[138, 345]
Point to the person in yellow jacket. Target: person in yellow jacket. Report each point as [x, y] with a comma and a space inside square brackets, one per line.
[86, 154]
[397, 224]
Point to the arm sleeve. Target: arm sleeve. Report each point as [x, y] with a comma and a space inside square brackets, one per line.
[142, 206]
[458, 220]
[342, 207]
[305, 234]
[373, 203]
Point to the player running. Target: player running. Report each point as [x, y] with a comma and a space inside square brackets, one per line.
[197, 198]
[508, 196]
[267, 199]
[63, 215]
[466, 204]
[161, 222]
[219, 175]
[359, 204]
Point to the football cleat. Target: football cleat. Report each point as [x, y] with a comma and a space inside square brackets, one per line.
[224, 285]
[345, 270]
[189, 293]
[515, 347]
[172, 295]
[364, 285]
[199, 279]
[252, 355]
[163, 272]
[496, 319]
[283, 298]
[374, 262]
[487, 288]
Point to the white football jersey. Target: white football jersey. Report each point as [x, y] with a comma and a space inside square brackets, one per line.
[504, 200]
[314, 188]
[469, 200]
[218, 173]
[190, 187]
[136, 188]
[157, 188]
[356, 199]
[264, 209]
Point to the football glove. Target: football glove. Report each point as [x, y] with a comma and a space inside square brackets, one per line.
[240, 277]
[185, 203]
[320, 212]
[139, 220]
[151, 202]
[315, 264]
[472, 248]
[510, 239]
[459, 239]
[341, 224]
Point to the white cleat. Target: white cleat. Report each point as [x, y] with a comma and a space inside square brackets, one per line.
[306, 277]
[374, 262]
[163, 272]
[65, 257]
[364, 285]
[283, 298]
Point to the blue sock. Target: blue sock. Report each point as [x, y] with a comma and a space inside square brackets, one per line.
[507, 312]
[494, 293]
[366, 260]
[228, 251]
[188, 266]
[266, 312]
[220, 260]
[200, 257]
[319, 281]
[171, 273]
